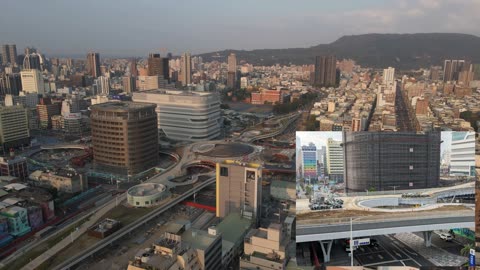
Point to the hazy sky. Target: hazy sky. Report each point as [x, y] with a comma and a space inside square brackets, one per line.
[135, 28]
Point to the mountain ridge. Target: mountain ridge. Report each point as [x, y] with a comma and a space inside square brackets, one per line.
[402, 51]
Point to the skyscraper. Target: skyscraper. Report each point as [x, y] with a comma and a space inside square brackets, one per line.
[309, 158]
[325, 71]
[103, 86]
[186, 69]
[129, 84]
[32, 81]
[10, 84]
[158, 66]
[5, 55]
[451, 69]
[232, 71]
[334, 160]
[9, 54]
[32, 61]
[388, 75]
[239, 189]
[136, 148]
[232, 63]
[93, 64]
[133, 67]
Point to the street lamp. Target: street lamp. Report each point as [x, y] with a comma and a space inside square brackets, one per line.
[394, 188]
[351, 241]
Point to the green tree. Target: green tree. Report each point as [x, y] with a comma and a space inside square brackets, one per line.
[308, 190]
[466, 249]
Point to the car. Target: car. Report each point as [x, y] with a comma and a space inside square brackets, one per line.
[373, 242]
[446, 236]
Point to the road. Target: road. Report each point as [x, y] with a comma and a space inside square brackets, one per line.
[71, 262]
[316, 232]
[404, 123]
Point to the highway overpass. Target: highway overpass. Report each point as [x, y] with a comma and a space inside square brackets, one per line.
[367, 228]
[327, 232]
[73, 261]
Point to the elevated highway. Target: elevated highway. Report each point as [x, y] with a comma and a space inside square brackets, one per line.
[330, 230]
[340, 228]
[72, 262]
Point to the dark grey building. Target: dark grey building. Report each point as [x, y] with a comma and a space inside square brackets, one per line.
[377, 161]
[326, 71]
[158, 66]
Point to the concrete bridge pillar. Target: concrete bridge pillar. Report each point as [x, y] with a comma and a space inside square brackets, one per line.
[326, 248]
[427, 238]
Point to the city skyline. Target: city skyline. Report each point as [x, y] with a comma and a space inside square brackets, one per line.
[241, 26]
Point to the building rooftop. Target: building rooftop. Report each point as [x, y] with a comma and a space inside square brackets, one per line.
[105, 225]
[175, 92]
[121, 106]
[146, 189]
[198, 239]
[233, 227]
[239, 163]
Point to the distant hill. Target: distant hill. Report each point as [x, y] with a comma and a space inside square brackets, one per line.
[402, 51]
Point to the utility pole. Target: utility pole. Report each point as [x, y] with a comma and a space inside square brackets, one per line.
[394, 188]
[351, 241]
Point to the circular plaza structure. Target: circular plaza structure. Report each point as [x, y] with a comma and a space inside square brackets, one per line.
[224, 150]
[147, 194]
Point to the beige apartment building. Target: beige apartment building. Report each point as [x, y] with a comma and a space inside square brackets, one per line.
[239, 189]
[265, 249]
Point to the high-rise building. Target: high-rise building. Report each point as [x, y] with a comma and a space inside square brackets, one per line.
[10, 84]
[232, 63]
[451, 69]
[378, 161]
[231, 80]
[151, 83]
[186, 69]
[232, 71]
[32, 81]
[462, 156]
[325, 71]
[93, 64]
[14, 129]
[32, 61]
[466, 75]
[103, 85]
[158, 66]
[46, 109]
[9, 54]
[309, 161]
[388, 75]
[124, 137]
[129, 84]
[184, 116]
[133, 67]
[239, 189]
[334, 160]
